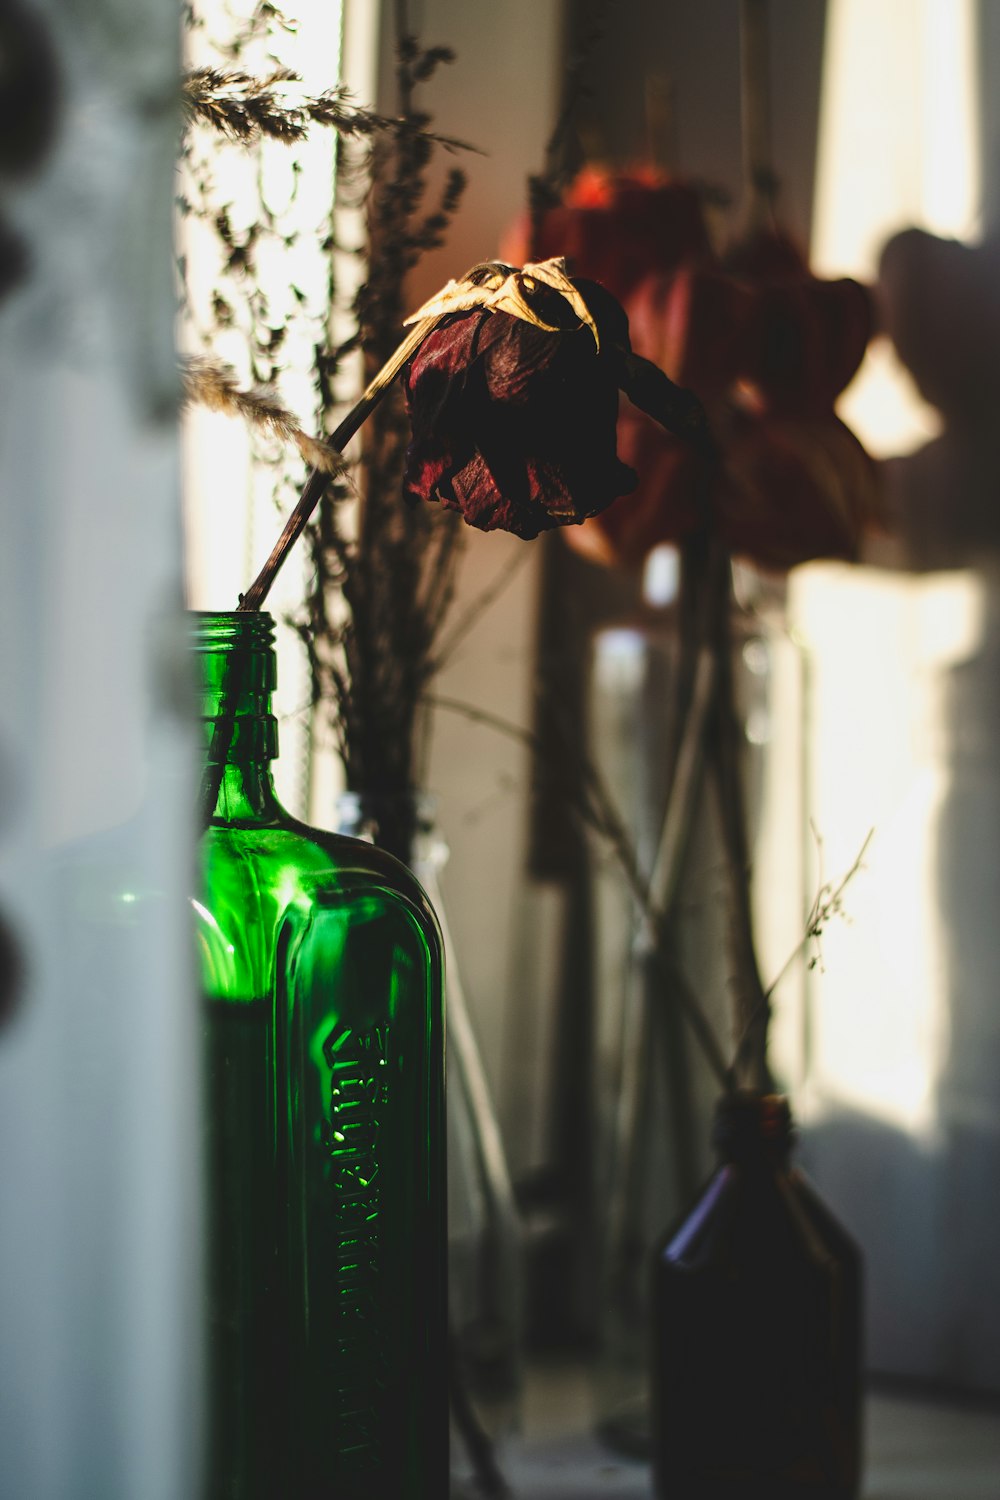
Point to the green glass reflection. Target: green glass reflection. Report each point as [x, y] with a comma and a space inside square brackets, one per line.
[322, 983]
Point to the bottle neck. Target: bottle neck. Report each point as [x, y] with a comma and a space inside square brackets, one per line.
[237, 674]
[753, 1130]
[244, 794]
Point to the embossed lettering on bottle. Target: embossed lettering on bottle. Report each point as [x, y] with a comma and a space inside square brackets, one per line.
[359, 1090]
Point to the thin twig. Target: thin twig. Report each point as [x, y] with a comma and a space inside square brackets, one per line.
[683, 795]
[596, 808]
[825, 904]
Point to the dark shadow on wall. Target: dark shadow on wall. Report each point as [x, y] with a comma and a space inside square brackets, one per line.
[928, 1230]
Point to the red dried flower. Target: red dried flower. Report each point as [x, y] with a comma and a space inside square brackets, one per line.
[783, 490]
[617, 227]
[513, 424]
[795, 488]
[805, 338]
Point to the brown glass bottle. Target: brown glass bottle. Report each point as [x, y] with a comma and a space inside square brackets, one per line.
[756, 1329]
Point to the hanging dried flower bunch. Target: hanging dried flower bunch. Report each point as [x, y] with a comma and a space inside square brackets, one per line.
[765, 344]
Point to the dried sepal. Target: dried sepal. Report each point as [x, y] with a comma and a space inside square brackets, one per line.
[498, 287]
[674, 407]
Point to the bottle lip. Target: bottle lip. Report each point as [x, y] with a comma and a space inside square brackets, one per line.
[217, 629]
[748, 1122]
[234, 652]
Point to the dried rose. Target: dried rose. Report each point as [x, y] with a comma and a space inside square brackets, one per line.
[805, 337]
[513, 426]
[513, 413]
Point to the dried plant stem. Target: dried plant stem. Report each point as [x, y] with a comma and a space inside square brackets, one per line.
[254, 598]
[258, 591]
[752, 1008]
[708, 736]
[244, 108]
[759, 183]
[597, 810]
[826, 903]
[694, 700]
[683, 798]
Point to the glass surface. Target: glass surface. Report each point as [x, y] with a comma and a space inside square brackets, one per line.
[652, 1093]
[322, 982]
[484, 1231]
[756, 1331]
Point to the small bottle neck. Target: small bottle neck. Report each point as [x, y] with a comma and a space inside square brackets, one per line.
[753, 1130]
[245, 795]
[237, 674]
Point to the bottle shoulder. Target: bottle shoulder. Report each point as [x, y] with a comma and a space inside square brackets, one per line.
[279, 887]
[773, 1212]
[294, 861]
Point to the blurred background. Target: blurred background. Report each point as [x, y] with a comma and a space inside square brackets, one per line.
[881, 709]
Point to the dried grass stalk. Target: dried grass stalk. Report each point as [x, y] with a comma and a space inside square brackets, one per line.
[244, 108]
[206, 383]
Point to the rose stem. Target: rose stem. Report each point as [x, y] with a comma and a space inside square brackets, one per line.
[253, 599]
[255, 595]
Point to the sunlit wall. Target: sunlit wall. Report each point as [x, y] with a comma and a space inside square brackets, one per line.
[902, 1099]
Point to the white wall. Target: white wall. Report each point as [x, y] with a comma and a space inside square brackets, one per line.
[902, 1093]
[500, 95]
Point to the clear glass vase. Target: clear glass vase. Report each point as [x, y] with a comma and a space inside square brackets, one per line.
[484, 1229]
[653, 1095]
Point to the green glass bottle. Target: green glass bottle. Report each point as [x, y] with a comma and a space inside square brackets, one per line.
[321, 971]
